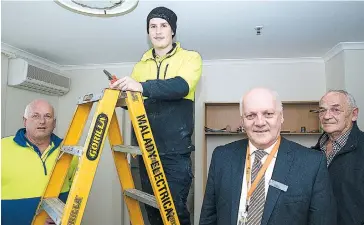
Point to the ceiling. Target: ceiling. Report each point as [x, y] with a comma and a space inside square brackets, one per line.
[217, 29]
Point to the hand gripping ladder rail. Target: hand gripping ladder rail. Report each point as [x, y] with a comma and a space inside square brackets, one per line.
[105, 123]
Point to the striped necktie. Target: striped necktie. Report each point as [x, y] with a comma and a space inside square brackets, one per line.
[257, 199]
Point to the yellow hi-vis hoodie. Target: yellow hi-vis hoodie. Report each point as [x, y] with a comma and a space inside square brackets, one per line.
[169, 84]
[25, 172]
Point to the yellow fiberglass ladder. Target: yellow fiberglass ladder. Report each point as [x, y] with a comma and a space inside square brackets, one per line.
[105, 123]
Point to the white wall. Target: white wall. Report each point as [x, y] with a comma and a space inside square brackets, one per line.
[14, 101]
[294, 80]
[335, 72]
[354, 79]
[227, 81]
[345, 71]
[4, 72]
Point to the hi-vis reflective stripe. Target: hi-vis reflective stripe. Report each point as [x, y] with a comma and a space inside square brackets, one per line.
[151, 159]
[105, 123]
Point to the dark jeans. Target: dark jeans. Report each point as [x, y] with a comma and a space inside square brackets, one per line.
[179, 175]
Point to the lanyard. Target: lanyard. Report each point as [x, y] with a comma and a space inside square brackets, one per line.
[261, 171]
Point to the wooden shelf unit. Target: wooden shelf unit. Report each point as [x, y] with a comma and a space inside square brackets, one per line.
[296, 115]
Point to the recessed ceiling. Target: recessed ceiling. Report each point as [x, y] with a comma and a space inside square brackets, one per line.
[217, 29]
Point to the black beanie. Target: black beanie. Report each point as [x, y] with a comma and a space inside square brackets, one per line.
[163, 13]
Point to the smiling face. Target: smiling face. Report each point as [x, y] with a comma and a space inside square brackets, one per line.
[336, 115]
[262, 118]
[160, 33]
[39, 120]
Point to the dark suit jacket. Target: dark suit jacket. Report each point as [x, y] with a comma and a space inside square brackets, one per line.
[308, 200]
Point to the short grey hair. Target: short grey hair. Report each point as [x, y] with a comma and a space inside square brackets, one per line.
[30, 105]
[275, 95]
[349, 97]
[27, 111]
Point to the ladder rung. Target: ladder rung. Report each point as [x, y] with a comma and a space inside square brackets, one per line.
[142, 197]
[73, 150]
[90, 98]
[127, 149]
[96, 97]
[121, 101]
[54, 207]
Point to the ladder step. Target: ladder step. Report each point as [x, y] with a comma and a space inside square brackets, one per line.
[54, 207]
[96, 97]
[121, 101]
[142, 197]
[127, 149]
[90, 98]
[73, 150]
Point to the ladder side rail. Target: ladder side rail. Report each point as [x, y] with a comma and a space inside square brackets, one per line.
[151, 158]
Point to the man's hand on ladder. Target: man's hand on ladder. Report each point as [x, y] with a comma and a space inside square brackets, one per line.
[127, 84]
[116, 83]
[123, 84]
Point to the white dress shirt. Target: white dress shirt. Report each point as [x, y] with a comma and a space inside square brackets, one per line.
[267, 176]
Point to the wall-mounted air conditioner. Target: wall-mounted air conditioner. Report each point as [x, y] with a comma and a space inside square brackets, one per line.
[23, 75]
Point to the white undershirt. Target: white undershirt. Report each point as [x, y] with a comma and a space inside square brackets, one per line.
[268, 175]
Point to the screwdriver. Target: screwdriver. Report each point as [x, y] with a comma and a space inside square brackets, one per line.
[112, 78]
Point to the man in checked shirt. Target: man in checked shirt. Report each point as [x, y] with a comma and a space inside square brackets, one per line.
[343, 144]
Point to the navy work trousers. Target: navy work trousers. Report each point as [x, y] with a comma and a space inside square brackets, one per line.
[178, 170]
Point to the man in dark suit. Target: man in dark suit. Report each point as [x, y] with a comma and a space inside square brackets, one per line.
[278, 182]
[343, 144]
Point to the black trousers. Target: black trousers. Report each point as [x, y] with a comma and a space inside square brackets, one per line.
[179, 176]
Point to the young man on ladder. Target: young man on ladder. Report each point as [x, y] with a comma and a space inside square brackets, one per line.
[167, 76]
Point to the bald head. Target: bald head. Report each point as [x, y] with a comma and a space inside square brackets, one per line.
[338, 112]
[258, 95]
[262, 116]
[39, 121]
[38, 103]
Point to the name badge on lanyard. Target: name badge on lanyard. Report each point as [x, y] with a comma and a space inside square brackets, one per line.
[243, 218]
